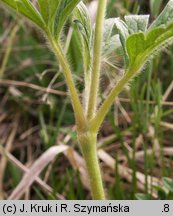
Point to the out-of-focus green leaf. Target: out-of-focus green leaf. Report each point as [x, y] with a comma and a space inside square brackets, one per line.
[165, 17]
[123, 34]
[108, 28]
[111, 40]
[137, 23]
[162, 191]
[155, 6]
[83, 23]
[112, 46]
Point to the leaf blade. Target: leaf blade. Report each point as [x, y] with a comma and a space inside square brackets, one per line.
[165, 17]
[142, 47]
[137, 23]
[65, 9]
[83, 23]
[123, 35]
[26, 8]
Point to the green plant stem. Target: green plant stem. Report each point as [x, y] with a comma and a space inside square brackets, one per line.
[87, 139]
[95, 76]
[89, 150]
[101, 114]
[77, 106]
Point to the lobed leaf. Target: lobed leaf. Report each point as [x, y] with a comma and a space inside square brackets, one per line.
[26, 8]
[44, 9]
[48, 10]
[141, 47]
[137, 23]
[52, 15]
[133, 24]
[66, 7]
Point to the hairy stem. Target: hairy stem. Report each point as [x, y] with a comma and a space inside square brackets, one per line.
[101, 114]
[77, 106]
[89, 150]
[92, 103]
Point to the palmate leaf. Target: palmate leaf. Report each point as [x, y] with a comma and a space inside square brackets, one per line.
[55, 13]
[52, 15]
[44, 9]
[48, 10]
[137, 23]
[26, 8]
[66, 7]
[132, 24]
[141, 46]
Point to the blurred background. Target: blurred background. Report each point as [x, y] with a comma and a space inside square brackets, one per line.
[135, 142]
